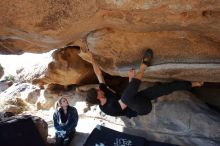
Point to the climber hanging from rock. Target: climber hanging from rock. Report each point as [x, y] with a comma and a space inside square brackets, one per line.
[132, 102]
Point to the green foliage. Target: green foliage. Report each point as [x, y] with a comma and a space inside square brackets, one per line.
[9, 78]
[1, 66]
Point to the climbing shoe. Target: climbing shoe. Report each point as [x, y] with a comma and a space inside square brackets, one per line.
[148, 55]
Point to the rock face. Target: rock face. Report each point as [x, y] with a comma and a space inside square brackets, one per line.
[17, 97]
[42, 127]
[26, 97]
[67, 68]
[183, 34]
[33, 96]
[177, 55]
[1, 71]
[29, 74]
[49, 97]
[182, 115]
[178, 118]
[55, 24]
[40, 124]
[62, 66]
[5, 85]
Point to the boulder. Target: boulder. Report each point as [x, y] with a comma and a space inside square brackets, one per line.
[13, 104]
[4, 85]
[67, 68]
[179, 118]
[15, 99]
[183, 34]
[1, 71]
[40, 124]
[32, 66]
[30, 73]
[42, 127]
[49, 96]
[62, 23]
[193, 60]
[6, 115]
[33, 96]
[27, 97]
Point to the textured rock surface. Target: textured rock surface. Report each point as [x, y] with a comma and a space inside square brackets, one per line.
[40, 124]
[27, 97]
[15, 98]
[55, 24]
[33, 72]
[42, 127]
[5, 85]
[67, 68]
[182, 115]
[1, 71]
[184, 34]
[33, 96]
[212, 93]
[49, 97]
[63, 67]
[177, 55]
[178, 118]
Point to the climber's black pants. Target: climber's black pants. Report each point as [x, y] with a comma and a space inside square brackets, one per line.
[141, 101]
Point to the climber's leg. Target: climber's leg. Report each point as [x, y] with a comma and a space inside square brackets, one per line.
[132, 88]
[165, 89]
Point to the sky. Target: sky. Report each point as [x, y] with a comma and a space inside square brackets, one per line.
[11, 63]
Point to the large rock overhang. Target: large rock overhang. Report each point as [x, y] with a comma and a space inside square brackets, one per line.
[185, 35]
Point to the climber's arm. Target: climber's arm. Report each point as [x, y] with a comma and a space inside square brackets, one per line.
[97, 70]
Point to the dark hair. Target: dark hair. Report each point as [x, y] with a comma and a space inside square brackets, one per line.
[91, 97]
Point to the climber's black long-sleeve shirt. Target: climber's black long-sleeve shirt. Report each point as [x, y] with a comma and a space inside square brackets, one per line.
[112, 106]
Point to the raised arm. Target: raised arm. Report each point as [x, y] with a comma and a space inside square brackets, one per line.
[131, 73]
[97, 70]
